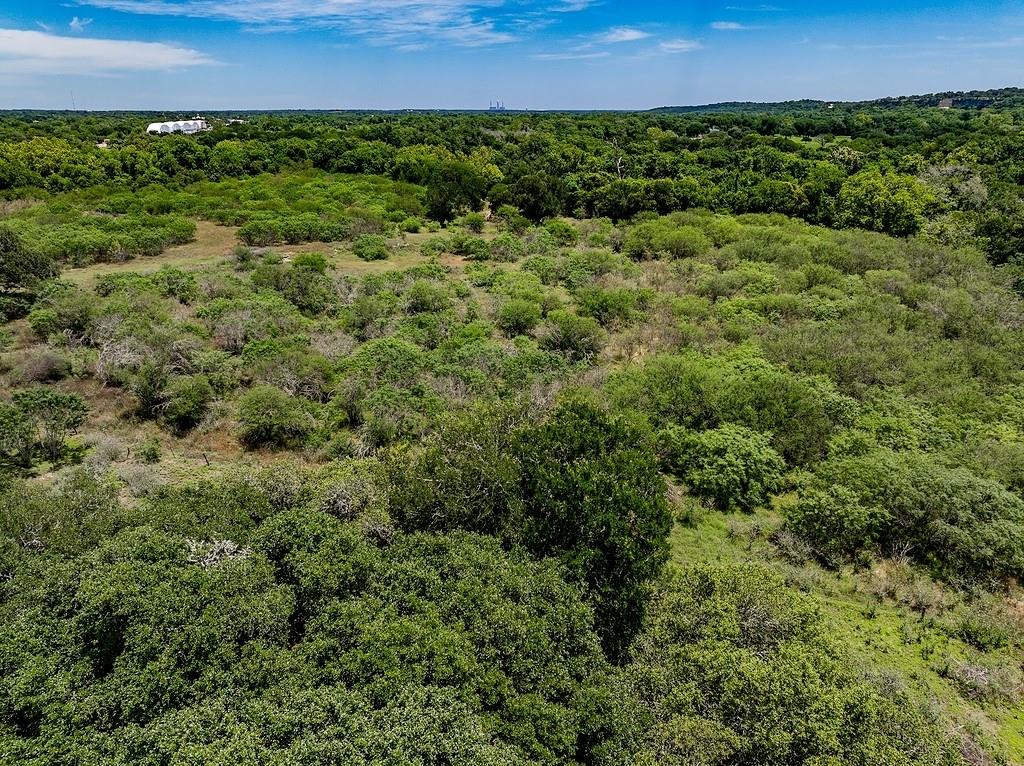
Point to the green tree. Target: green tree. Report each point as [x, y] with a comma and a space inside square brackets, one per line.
[890, 203]
[20, 267]
[581, 486]
[834, 521]
[16, 434]
[312, 643]
[736, 669]
[52, 414]
[731, 465]
[454, 188]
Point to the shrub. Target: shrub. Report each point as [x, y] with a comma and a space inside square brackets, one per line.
[510, 219]
[547, 269]
[563, 232]
[834, 522]
[472, 248]
[986, 627]
[147, 384]
[424, 296]
[507, 248]
[371, 247]
[958, 523]
[41, 366]
[52, 415]
[149, 451]
[271, 418]
[16, 434]
[186, 402]
[310, 263]
[44, 322]
[411, 225]
[684, 242]
[731, 465]
[577, 337]
[20, 266]
[261, 233]
[475, 222]
[518, 317]
[800, 412]
[608, 305]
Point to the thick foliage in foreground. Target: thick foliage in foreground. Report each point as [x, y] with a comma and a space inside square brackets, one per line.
[738, 670]
[948, 518]
[582, 487]
[309, 647]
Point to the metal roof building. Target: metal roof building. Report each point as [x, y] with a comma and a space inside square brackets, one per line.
[194, 125]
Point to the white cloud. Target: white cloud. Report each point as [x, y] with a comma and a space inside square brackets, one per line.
[570, 56]
[571, 6]
[28, 52]
[388, 22]
[621, 35]
[680, 46]
[78, 25]
[728, 26]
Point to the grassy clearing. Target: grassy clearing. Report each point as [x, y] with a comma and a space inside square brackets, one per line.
[214, 243]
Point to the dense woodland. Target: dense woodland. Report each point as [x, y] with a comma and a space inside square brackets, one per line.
[570, 439]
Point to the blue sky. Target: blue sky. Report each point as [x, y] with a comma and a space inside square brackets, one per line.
[533, 54]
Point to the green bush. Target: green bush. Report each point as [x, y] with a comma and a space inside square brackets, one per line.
[371, 247]
[731, 465]
[684, 242]
[424, 296]
[472, 248]
[800, 412]
[411, 225]
[579, 338]
[507, 248]
[150, 451]
[510, 219]
[564, 233]
[20, 266]
[986, 626]
[948, 518]
[611, 306]
[51, 415]
[518, 317]
[186, 402]
[834, 522]
[475, 222]
[271, 418]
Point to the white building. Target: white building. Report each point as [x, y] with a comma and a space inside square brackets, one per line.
[195, 125]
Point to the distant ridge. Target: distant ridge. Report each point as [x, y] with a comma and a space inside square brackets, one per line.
[1003, 98]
